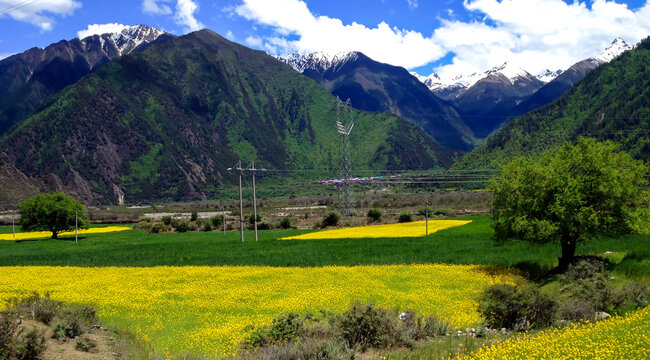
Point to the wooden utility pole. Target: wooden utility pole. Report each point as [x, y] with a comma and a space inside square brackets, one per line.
[223, 212]
[13, 226]
[75, 227]
[254, 199]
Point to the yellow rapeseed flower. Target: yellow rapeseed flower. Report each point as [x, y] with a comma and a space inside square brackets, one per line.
[46, 234]
[204, 311]
[408, 229]
[625, 337]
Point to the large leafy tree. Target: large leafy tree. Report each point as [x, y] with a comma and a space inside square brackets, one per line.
[55, 212]
[566, 196]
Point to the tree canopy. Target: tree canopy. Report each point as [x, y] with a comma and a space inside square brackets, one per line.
[569, 194]
[55, 212]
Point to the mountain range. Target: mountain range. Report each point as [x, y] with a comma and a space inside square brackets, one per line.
[30, 78]
[378, 87]
[165, 123]
[612, 102]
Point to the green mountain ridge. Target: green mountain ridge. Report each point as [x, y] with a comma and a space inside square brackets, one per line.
[611, 103]
[164, 124]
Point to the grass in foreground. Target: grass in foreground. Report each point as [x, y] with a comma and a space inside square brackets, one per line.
[626, 337]
[399, 230]
[205, 310]
[467, 244]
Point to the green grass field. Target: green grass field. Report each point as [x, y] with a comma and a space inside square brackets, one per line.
[468, 244]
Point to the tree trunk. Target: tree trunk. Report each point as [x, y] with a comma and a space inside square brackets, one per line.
[568, 251]
[54, 235]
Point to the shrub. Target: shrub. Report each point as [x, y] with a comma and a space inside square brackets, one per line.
[264, 225]
[405, 217]
[207, 226]
[423, 211]
[434, 327]
[194, 215]
[85, 344]
[362, 326]
[182, 226]
[374, 215]
[251, 219]
[156, 228]
[285, 223]
[39, 308]
[19, 344]
[216, 221]
[330, 219]
[516, 308]
[67, 328]
[192, 226]
[282, 329]
[441, 212]
[167, 220]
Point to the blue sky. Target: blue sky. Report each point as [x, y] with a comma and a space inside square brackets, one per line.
[449, 37]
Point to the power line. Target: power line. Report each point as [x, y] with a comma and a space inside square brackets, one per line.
[20, 5]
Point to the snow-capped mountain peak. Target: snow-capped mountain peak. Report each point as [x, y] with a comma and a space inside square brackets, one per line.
[509, 70]
[617, 47]
[127, 39]
[548, 75]
[320, 61]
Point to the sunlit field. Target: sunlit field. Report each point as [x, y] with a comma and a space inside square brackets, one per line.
[625, 337]
[204, 310]
[47, 234]
[400, 230]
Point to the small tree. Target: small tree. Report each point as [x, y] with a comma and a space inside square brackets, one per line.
[567, 195]
[53, 212]
[374, 215]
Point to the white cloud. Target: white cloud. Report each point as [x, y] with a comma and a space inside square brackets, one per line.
[39, 13]
[254, 41]
[184, 15]
[98, 29]
[539, 34]
[382, 43]
[412, 3]
[230, 36]
[156, 7]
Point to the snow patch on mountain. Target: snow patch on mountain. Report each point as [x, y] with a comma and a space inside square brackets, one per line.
[127, 39]
[548, 75]
[319, 61]
[509, 71]
[617, 47]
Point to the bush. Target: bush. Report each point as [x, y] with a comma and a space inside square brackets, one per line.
[251, 219]
[19, 344]
[67, 328]
[182, 226]
[192, 226]
[374, 215]
[423, 211]
[405, 217]
[362, 326]
[207, 226]
[216, 221]
[167, 220]
[517, 308]
[283, 328]
[194, 215]
[285, 223]
[330, 219]
[85, 344]
[39, 308]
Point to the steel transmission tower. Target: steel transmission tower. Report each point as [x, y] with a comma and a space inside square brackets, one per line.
[344, 125]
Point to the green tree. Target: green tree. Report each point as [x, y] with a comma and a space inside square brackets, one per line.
[568, 195]
[53, 212]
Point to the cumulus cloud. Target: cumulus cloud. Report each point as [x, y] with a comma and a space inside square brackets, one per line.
[98, 29]
[156, 7]
[38, 13]
[184, 15]
[321, 33]
[537, 34]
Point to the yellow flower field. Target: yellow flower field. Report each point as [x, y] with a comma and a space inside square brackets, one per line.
[409, 229]
[204, 310]
[617, 338]
[47, 234]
